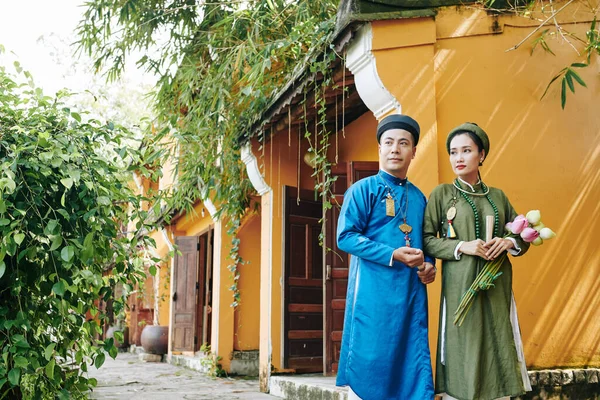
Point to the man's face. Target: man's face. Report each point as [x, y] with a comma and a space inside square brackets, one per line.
[396, 151]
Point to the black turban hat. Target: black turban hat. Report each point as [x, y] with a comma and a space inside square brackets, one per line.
[399, 121]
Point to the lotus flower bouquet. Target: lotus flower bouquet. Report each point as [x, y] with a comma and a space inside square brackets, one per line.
[532, 230]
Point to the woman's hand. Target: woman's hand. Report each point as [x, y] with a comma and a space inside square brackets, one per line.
[474, 248]
[497, 246]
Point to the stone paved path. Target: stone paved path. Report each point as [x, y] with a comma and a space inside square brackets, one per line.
[128, 378]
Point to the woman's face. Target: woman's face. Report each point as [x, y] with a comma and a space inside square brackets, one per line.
[465, 157]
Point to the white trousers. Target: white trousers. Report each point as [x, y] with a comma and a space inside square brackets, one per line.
[352, 395]
[448, 397]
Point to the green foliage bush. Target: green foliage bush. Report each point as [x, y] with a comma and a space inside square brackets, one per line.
[65, 203]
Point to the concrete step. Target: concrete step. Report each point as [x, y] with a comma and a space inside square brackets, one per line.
[306, 387]
[199, 362]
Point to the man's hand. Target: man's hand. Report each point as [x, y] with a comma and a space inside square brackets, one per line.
[427, 274]
[409, 256]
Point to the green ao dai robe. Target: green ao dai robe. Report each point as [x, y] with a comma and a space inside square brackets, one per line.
[483, 358]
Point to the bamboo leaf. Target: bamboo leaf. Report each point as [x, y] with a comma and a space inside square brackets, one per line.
[551, 82]
[570, 81]
[563, 93]
[578, 78]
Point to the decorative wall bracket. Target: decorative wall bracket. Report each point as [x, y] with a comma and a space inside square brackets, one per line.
[361, 62]
[253, 171]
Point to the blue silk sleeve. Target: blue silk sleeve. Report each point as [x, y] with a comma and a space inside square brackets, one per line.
[353, 222]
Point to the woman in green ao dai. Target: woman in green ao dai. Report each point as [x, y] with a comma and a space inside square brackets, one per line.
[483, 358]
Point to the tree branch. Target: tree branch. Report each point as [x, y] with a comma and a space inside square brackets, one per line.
[539, 27]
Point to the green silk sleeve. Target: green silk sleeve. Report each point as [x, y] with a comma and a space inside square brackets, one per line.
[511, 214]
[433, 244]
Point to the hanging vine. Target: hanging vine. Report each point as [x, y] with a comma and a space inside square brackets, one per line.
[230, 60]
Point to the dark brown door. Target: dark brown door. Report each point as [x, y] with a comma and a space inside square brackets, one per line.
[202, 290]
[337, 262]
[185, 281]
[207, 295]
[303, 344]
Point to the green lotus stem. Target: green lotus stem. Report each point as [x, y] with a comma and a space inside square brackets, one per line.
[483, 281]
[473, 289]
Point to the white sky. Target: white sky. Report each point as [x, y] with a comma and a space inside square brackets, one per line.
[23, 22]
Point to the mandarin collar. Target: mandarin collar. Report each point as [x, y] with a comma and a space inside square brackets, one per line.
[474, 188]
[391, 179]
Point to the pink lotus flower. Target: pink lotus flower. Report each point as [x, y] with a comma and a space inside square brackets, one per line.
[519, 224]
[529, 234]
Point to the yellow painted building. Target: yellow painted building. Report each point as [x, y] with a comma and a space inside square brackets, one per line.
[442, 66]
[445, 68]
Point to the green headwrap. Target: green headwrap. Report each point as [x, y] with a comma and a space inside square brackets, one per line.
[475, 130]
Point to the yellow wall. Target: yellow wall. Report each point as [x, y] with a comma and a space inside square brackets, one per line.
[164, 276]
[280, 168]
[455, 69]
[541, 156]
[247, 314]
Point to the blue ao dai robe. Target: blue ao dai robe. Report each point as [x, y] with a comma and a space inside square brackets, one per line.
[385, 348]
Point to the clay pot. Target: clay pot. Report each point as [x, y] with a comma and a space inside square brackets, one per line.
[110, 333]
[155, 339]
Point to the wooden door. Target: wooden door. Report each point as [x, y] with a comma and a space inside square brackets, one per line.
[303, 343]
[337, 262]
[141, 307]
[185, 282]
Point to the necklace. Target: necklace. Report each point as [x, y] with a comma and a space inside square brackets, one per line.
[475, 212]
[485, 193]
[390, 210]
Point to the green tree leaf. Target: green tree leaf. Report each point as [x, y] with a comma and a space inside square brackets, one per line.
[59, 288]
[14, 376]
[2, 268]
[67, 253]
[99, 360]
[20, 362]
[67, 182]
[49, 351]
[49, 369]
[18, 238]
[56, 243]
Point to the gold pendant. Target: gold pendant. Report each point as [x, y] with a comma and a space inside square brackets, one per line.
[451, 213]
[405, 228]
[390, 208]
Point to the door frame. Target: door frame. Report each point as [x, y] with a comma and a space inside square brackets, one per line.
[288, 192]
[206, 293]
[203, 292]
[350, 172]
